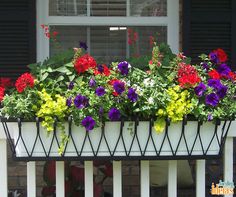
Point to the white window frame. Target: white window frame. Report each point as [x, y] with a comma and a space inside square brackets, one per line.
[171, 21]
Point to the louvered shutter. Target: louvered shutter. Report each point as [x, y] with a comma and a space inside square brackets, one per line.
[207, 25]
[17, 36]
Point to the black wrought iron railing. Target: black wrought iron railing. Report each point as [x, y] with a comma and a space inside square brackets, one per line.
[85, 147]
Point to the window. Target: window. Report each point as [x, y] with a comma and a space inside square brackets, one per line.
[104, 25]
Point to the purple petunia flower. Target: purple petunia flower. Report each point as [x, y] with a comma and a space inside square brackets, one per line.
[100, 91]
[200, 89]
[83, 45]
[92, 82]
[223, 69]
[119, 87]
[100, 68]
[221, 92]
[88, 123]
[214, 83]
[205, 65]
[69, 102]
[212, 99]
[81, 101]
[114, 114]
[124, 67]
[71, 85]
[213, 57]
[132, 95]
[209, 117]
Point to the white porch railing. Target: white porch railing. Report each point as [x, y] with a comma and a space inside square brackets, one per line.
[117, 173]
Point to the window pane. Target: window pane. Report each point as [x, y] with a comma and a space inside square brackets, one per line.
[108, 7]
[67, 7]
[148, 7]
[68, 37]
[109, 43]
[142, 45]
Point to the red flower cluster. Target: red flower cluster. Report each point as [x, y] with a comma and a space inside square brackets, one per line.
[221, 55]
[214, 74]
[2, 93]
[24, 81]
[83, 63]
[187, 76]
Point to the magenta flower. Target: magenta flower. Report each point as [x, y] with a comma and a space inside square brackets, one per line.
[100, 91]
[81, 101]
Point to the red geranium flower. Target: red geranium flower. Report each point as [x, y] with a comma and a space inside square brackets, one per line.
[5, 82]
[82, 64]
[2, 93]
[214, 74]
[187, 76]
[232, 75]
[221, 55]
[24, 81]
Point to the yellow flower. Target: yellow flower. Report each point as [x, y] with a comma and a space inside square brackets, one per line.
[159, 125]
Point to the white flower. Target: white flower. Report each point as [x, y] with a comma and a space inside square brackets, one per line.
[148, 82]
[138, 89]
[150, 101]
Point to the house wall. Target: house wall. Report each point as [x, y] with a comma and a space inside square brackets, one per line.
[17, 170]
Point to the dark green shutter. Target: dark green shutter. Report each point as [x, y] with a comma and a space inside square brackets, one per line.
[17, 36]
[207, 25]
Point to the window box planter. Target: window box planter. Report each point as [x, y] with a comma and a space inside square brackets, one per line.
[118, 140]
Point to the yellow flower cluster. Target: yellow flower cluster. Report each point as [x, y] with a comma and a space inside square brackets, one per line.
[51, 108]
[179, 104]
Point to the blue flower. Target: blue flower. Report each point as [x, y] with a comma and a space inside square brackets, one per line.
[119, 87]
[100, 91]
[124, 67]
[213, 57]
[81, 101]
[132, 95]
[114, 114]
[88, 123]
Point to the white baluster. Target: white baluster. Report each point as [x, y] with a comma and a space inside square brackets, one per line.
[117, 179]
[172, 178]
[88, 174]
[3, 167]
[228, 161]
[60, 179]
[200, 178]
[145, 179]
[31, 179]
